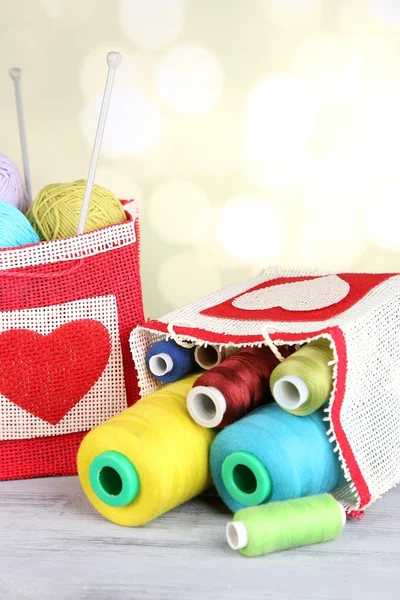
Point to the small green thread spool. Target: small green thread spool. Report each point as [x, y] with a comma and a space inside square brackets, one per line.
[302, 383]
[278, 526]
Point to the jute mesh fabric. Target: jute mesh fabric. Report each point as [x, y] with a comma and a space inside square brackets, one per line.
[67, 308]
[359, 313]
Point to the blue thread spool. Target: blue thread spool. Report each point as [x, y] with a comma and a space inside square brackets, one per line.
[169, 362]
[271, 455]
[15, 229]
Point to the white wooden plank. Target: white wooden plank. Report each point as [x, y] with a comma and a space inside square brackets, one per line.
[55, 546]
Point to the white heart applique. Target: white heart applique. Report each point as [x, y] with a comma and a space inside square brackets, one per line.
[296, 296]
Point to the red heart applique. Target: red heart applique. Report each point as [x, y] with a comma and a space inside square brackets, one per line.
[48, 374]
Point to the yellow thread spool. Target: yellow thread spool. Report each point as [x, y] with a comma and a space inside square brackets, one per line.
[166, 448]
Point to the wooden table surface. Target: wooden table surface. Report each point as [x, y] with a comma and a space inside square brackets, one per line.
[55, 546]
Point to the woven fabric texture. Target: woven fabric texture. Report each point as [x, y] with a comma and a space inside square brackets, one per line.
[67, 308]
[358, 313]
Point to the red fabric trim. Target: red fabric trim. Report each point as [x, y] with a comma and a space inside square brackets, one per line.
[39, 457]
[356, 514]
[340, 344]
[360, 285]
[204, 335]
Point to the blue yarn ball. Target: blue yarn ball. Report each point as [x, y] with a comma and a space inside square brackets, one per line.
[296, 451]
[15, 229]
[182, 359]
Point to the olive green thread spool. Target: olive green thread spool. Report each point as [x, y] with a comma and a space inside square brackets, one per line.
[278, 526]
[303, 382]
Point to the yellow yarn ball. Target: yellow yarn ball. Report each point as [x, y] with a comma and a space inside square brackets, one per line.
[55, 212]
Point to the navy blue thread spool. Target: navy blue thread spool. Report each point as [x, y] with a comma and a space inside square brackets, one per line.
[169, 362]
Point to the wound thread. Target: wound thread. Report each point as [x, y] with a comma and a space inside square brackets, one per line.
[147, 459]
[303, 382]
[281, 525]
[167, 361]
[292, 458]
[232, 389]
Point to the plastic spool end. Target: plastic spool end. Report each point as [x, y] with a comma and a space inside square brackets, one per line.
[206, 405]
[290, 392]
[161, 364]
[236, 535]
[114, 479]
[246, 478]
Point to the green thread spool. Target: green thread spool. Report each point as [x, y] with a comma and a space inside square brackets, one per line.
[278, 526]
[302, 383]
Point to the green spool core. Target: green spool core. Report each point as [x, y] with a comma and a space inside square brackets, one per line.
[246, 478]
[114, 479]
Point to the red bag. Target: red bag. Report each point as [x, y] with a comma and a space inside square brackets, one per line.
[67, 308]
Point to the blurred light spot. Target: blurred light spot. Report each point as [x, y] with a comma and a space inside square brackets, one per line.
[386, 10]
[119, 182]
[151, 24]
[73, 11]
[180, 212]
[328, 62]
[279, 119]
[379, 129]
[93, 71]
[330, 242]
[207, 145]
[359, 24]
[335, 183]
[293, 5]
[189, 79]
[294, 13]
[278, 171]
[250, 229]
[280, 113]
[335, 127]
[184, 277]
[382, 216]
[134, 124]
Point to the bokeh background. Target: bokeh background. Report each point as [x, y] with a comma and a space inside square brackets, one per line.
[253, 132]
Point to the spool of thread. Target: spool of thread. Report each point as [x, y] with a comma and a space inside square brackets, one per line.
[146, 460]
[55, 212]
[270, 456]
[12, 188]
[232, 389]
[15, 229]
[281, 525]
[208, 357]
[169, 362]
[302, 383]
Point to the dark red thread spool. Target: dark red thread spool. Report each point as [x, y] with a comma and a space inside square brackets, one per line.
[232, 389]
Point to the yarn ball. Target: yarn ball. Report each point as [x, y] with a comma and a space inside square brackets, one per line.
[55, 212]
[12, 188]
[15, 229]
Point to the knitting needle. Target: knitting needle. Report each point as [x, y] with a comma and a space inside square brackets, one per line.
[113, 60]
[15, 75]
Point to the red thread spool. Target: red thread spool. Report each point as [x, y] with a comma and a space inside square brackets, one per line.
[232, 389]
